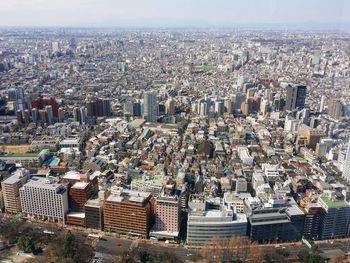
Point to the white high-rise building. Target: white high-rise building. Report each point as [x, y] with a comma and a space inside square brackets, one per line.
[346, 166]
[44, 198]
[150, 107]
[323, 103]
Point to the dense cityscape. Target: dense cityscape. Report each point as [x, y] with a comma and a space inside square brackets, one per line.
[178, 138]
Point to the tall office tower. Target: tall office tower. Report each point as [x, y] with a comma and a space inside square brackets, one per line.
[49, 113]
[12, 94]
[60, 114]
[19, 117]
[90, 107]
[98, 107]
[228, 106]
[335, 109]
[150, 106]
[238, 99]
[10, 188]
[245, 56]
[128, 108]
[83, 114]
[218, 107]
[106, 107]
[137, 108]
[303, 115]
[34, 115]
[44, 198]
[295, 97]
[203, 108]
[323, 103]
[20, 93]
[42, 116]
[26, 117]
[346, 165]
[264, 106]
[76, 114]
[170, 106]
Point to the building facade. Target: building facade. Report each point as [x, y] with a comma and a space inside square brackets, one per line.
[10, 189]
[44, 198]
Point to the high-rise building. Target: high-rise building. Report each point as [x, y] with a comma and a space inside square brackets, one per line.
[129, 212]
[346, 164]
[295, 98]
[106, 107]
[79, 193]
[309, 137]
[60, 114]
[19, 117]
[49, 114]
[228, 106]
[323, 103]
[167, 217]
[83, 114]
[41, 102]
[150, 107]
[335, 109]
[170, 106]
[93, 213]
[34, 115]
[10, 188]
[335, 223]
[44, 198]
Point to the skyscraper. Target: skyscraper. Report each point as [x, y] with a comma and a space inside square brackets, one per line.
[295, 97]
[335, 109]
[346, 167]
[150, 107]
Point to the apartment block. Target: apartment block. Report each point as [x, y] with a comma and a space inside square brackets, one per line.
[10, 188]
[44, 198]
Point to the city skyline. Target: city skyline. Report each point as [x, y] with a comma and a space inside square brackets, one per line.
[155, 13]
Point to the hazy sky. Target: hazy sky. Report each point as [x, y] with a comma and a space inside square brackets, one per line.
[172, 12]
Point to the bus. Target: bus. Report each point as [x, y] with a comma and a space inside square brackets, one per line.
[94, 236]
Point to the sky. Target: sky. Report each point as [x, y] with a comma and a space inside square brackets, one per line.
[173, 13]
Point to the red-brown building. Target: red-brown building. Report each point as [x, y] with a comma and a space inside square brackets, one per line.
[41, 102]
[129, 212]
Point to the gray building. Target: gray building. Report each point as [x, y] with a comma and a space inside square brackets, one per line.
[150, 107]
[295, 97]
[208, 221]
[335, 222]
[276, 225]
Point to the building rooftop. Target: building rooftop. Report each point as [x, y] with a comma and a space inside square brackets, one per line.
[80, 185]
[330, 203]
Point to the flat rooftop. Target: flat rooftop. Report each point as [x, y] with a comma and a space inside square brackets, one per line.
[334, 203]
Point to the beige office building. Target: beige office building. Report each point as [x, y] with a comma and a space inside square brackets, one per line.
[10, 189]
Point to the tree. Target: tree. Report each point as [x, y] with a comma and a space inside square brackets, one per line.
[310, 256]
[25, 244]
[68, 247]
[235, 249]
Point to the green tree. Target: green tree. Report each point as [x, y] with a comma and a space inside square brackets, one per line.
[25, 244]
[68, 247]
